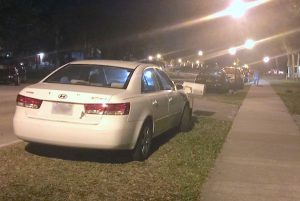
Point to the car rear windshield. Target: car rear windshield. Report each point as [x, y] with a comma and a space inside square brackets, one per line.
[92, 75]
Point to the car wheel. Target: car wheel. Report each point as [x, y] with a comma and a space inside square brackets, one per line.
[17, 81]
[143, 146]
[185, 122]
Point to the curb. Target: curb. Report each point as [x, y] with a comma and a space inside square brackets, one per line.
[10, 143]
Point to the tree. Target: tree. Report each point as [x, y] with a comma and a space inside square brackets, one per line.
[290, 43]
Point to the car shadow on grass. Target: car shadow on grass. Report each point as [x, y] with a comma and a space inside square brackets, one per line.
[167, 136]
[202, 113]
[95, 155]
[79, 154]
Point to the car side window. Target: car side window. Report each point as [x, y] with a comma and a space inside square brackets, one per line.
[149, 82]
[164, 80]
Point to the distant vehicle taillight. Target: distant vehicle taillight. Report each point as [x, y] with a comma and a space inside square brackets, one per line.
[107, 109]
[28, 102]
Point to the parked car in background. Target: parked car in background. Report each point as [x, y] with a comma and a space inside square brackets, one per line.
[12, 72]
[214, 79]
[235, 77]
[102, 104]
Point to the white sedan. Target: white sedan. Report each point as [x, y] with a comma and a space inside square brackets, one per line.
[101, 104]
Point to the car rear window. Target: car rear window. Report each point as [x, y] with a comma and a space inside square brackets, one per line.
[92, 75]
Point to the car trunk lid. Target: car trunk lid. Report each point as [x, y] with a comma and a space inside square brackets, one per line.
[65, 103]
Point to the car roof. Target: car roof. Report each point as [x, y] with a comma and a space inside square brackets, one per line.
[125, 64]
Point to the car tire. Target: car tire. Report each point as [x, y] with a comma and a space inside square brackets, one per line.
[143, 146]
[17, 81]
[185, 121]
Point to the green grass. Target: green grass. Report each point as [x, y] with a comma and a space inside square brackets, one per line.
[289, 91]
[175, 171]
[235, 98]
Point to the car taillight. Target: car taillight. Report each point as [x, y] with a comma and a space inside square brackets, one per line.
[28, 102]
[107, 109]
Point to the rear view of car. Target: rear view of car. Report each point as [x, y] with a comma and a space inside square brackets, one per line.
[68, 107]
[100, 104]
[214, 79]
[235, 77]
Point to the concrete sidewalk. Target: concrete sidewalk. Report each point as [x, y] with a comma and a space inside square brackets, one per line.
[260, 160]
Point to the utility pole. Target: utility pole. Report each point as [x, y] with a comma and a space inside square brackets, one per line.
[293, 66]
[298, 66]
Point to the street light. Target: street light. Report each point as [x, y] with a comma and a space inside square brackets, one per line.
[232, 51]
[200, 53]
[246, 66]
[41, 56]
[150, 58]
[266, 59]
[179, 60]
[158, 56]
[237, 8]
[249, 44]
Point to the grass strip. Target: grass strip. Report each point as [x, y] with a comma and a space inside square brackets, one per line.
[176, 170]
[289, 92]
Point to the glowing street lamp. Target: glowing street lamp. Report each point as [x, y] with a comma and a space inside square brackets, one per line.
[179, 60]
[150, 58]
[266, 59]
[198, 62]
[158, 56]
[41, 56]
[246, 66]
[200, 53]
[237, 8]
[249, 44]
[232, 51]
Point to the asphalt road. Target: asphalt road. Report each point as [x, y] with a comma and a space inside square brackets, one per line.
[8, 94]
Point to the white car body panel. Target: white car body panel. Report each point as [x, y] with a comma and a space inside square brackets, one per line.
[64, 121]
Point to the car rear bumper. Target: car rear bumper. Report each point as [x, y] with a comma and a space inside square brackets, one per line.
[214, 85]
[114, 135]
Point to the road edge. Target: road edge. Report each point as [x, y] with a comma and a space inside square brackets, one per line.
[10, 143]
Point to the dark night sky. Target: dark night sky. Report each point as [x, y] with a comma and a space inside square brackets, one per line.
[133, 26]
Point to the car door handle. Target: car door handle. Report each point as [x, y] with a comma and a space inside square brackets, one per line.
[155, 103]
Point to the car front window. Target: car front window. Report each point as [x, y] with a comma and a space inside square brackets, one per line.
[92, 75]
[166, 83]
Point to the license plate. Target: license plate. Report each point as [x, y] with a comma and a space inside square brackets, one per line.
[62, 108]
